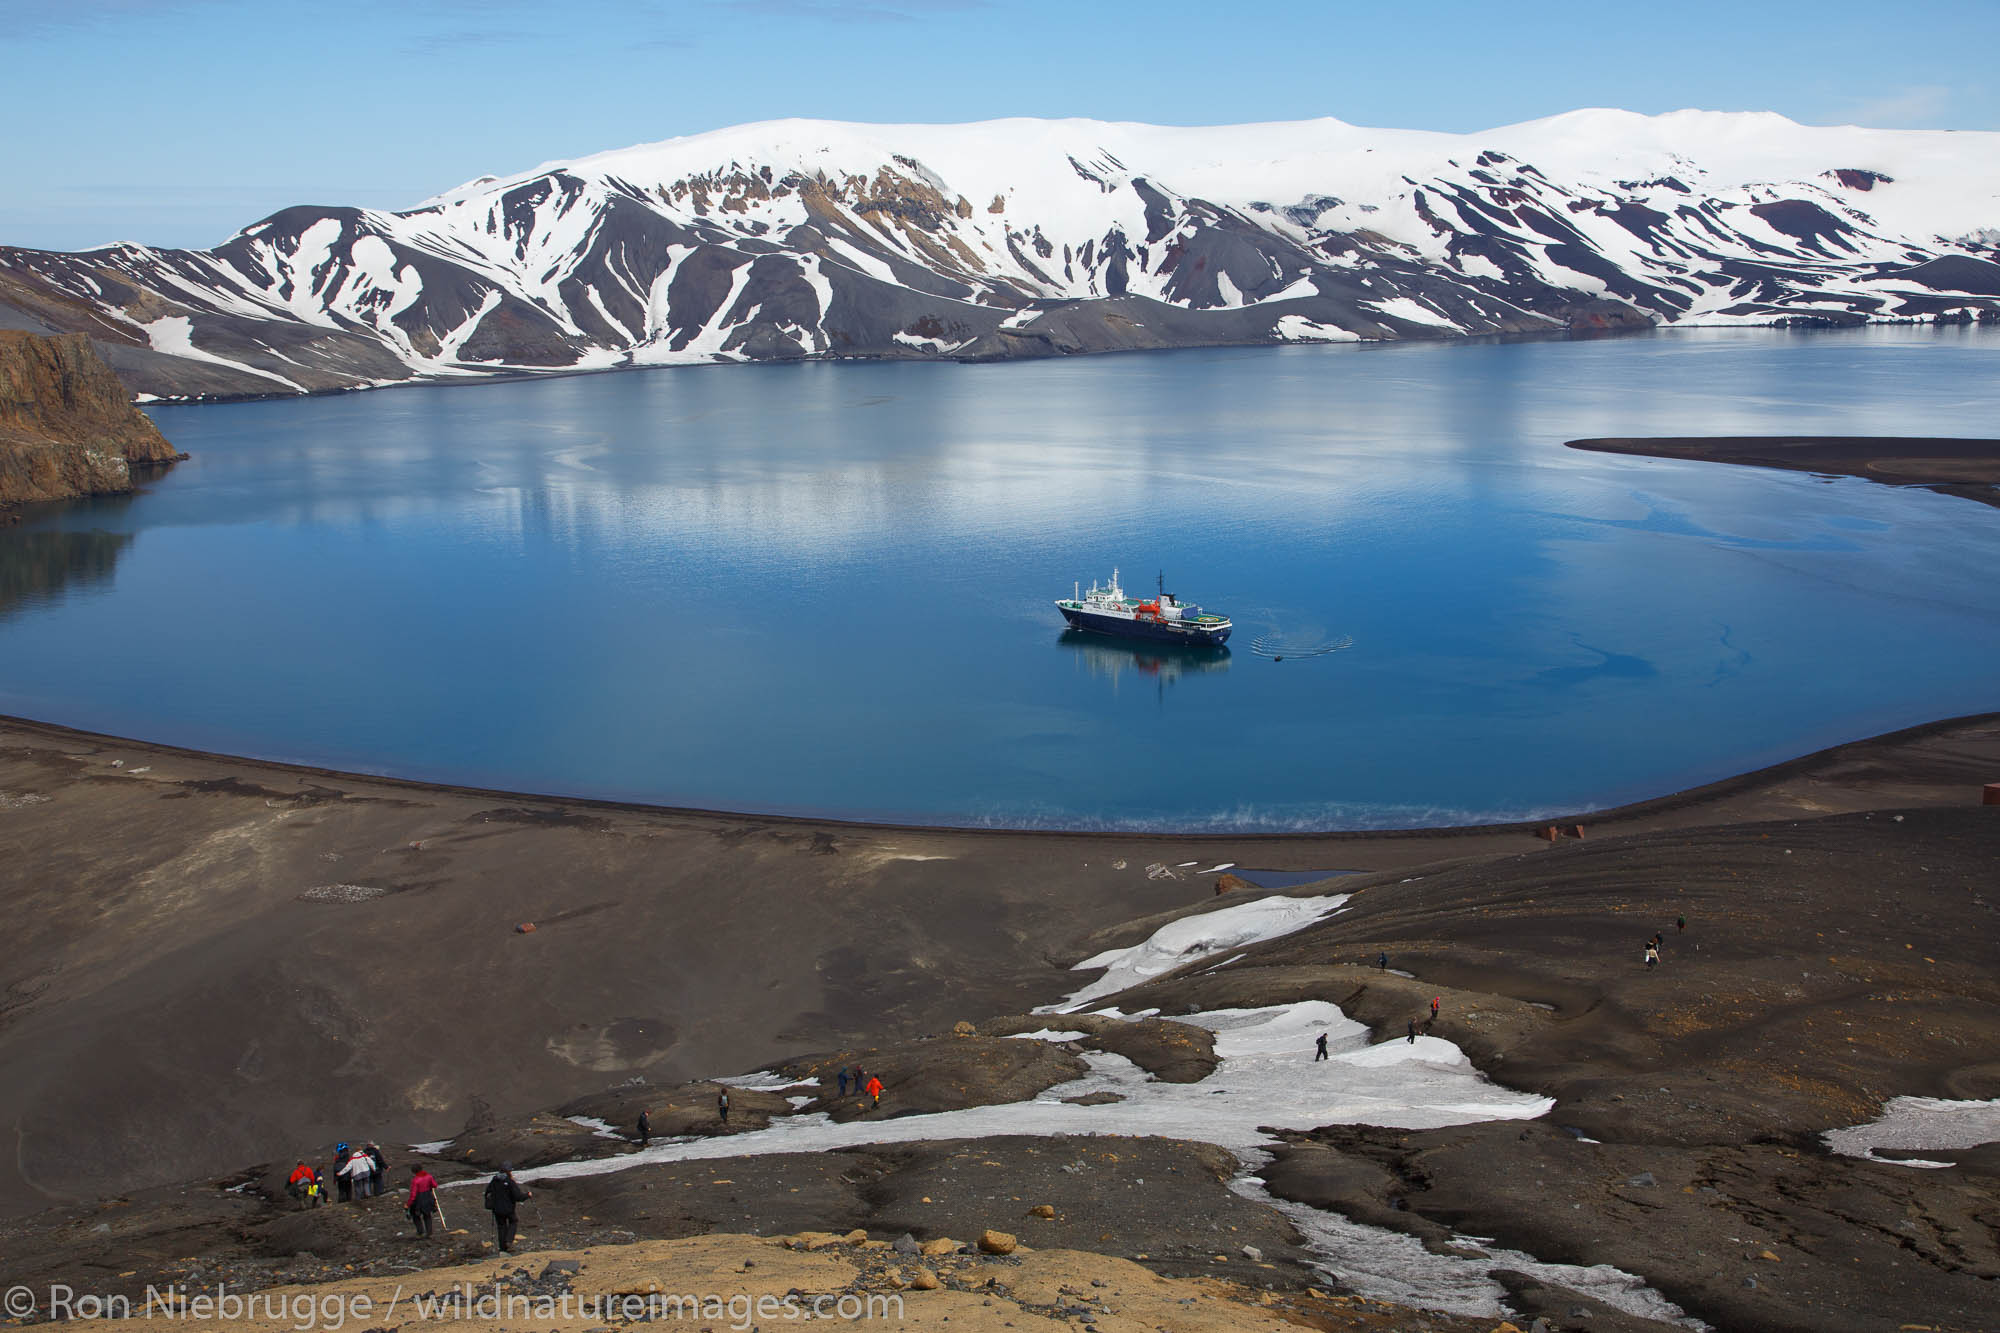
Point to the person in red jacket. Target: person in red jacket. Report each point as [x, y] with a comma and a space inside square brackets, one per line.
[422, 1205]
[874, 1091]
[302, 1184]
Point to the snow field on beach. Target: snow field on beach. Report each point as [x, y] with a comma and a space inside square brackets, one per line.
[1179, 942]
[1389, 1266]
[1266, 1078]
[1913, 1124]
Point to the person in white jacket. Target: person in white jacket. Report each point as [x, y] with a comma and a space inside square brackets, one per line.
[360, 1172]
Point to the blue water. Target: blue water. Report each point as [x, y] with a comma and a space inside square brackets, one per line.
[826, 588]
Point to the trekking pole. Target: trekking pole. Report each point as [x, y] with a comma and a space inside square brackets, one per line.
[438, 1204]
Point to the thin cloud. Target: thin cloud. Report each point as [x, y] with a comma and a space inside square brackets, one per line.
[28, 19]
[1912, 108]
[855, 11]
[469, 39]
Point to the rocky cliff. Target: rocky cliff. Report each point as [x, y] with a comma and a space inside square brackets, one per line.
[67, 426]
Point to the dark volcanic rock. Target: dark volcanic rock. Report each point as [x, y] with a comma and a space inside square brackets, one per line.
[1850, 1244]
[938, 1074]
[1171, 1052]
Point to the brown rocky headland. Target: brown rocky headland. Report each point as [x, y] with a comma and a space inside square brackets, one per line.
[67, 426]
[1968, 468]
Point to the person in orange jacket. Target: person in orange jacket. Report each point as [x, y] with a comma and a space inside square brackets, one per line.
[874, 1090]
[301, 1183]
[422, 1205]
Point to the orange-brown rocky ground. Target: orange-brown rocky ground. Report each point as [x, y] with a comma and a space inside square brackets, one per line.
[67, 426]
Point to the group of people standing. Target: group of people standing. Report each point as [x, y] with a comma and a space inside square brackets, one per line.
[644, 1134]
[864, 1083]
[503, 1196]
[357, 1173]
[1659, 940]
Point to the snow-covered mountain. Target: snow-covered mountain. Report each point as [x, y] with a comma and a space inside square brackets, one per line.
[1027, 238]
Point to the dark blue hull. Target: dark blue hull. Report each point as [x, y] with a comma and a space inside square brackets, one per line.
[1155, 630]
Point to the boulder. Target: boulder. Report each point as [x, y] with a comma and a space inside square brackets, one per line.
[997, 1242]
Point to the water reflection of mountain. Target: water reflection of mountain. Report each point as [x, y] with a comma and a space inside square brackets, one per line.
[1161, 662]
[37, 566]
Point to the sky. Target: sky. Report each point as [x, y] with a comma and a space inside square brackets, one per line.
[178, 122]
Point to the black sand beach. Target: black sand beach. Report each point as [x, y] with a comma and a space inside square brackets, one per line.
[222, 963]
[1966, 468]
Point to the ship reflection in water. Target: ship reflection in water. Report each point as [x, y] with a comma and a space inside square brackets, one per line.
[1162, 663]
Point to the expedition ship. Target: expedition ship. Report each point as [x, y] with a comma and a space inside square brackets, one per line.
[1107, 610]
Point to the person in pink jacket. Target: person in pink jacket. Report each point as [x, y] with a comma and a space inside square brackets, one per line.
[422, 1204]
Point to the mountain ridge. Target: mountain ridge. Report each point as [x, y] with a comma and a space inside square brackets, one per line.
[794, 239]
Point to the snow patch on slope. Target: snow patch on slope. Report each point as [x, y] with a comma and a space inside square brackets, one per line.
[174, 336]
[1916, 1124]
[1179, 942]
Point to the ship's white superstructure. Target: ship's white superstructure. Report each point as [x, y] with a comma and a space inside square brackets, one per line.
[1107, 610]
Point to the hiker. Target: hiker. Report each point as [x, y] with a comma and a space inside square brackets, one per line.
[422, 1205]
[1436, 1000]
[503, 1192]
[1413, 1032]
[1652, 956]
[1659, 940]
[300, 1181]
[343, 1182]
[722, 1105]
[379, 1176]
[874, 1092]
[1681, 923]
[645, 1127]
[1382, 961]
[1319, 1050]
[358, 1171]
[841, 1077]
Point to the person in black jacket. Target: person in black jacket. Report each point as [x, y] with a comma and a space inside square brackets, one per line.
[645, 1127]
[502, 1193]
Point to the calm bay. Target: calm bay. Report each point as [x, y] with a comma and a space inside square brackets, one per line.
[826, 588]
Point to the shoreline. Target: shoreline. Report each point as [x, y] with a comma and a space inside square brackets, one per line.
[330, 957]
[517, 375]
[1620, 816]
[1950, 465]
